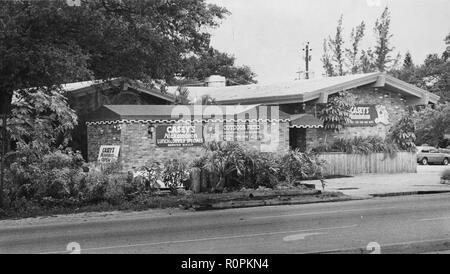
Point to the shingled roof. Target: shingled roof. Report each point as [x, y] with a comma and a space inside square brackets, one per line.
[171, 113]
[306, 90]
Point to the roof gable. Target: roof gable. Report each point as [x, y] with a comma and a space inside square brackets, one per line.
[87, 87]
[304, 90]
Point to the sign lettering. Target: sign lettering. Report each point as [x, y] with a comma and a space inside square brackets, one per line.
[108, 154]
[179, 135]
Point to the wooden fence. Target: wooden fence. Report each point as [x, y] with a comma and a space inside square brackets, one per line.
[352, 164]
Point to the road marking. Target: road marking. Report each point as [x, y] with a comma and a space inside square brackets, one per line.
[434, 219]
[321, 212]
[301, 236]
[207, 239]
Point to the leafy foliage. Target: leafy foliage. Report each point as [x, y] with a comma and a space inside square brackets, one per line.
[300, 166]
[352, 53]
[337, 59]
[48, 43]
[432, 75]
[402, 133]
[226, 159]
[336, 44]
[326, 59]
[383, 36]
[214, 62]
[174, 174]
[245, 167]
[44, 44]
[432, 124]
[40, 119]
[336, 113]
[261, 169]
[181, 96]
[55, 175]
[359, 145]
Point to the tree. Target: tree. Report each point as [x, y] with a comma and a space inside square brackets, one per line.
[433, 75]
[48, 43]
[214, 62]
[408, 62]
[44, 44]
[326, 60]
[432, 124]
[335, 62]
[367, 61]
[402, 133]
[336, 113]
[337, 48]
[446, 54]
[41, 120]
[407, 72]
[383, 36]
[181, 96]
[352, 53]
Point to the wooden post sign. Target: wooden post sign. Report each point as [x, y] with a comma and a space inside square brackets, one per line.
[108, 154]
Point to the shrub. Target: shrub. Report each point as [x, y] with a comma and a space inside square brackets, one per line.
[299, 166]
[118, 189]
[226, 159]
[261, 169]
[174, 174]
[111, 168]
[402, 133]
[359, 145]
[52, 175]
[92, 187]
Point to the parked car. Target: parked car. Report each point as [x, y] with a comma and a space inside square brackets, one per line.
[431, 155]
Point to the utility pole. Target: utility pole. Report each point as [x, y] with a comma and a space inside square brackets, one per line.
[307, 59]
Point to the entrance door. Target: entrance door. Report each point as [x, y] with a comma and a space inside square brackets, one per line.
[297, 138]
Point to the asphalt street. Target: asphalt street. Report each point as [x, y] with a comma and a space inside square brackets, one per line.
[405, 224]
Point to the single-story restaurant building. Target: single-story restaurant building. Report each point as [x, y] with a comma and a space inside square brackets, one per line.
[146, 126]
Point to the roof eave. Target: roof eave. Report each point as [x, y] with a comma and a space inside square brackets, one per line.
[412, 89]
[305, 97]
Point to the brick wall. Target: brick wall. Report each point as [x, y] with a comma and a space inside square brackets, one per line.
[101, 135]
[139, 149]
[394, 105]
[91, 101]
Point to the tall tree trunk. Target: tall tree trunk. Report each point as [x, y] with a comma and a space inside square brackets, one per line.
[5, 108]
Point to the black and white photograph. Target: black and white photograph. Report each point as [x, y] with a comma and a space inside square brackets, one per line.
[222, 133]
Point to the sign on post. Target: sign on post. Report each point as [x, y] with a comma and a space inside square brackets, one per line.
[108, 154]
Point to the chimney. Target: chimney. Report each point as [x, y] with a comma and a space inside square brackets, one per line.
[215, 81]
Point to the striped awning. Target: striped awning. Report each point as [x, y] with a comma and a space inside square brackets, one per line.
[305, 120]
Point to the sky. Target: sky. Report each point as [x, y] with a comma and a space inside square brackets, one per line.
[268, 35]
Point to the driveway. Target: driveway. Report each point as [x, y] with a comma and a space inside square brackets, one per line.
[426, 179]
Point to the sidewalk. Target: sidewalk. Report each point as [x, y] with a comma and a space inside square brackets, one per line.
[427, 179]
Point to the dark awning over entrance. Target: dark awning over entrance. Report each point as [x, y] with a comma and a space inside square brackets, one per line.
[305, 121]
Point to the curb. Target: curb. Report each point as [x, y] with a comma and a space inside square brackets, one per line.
[270, 202]
[420, 192]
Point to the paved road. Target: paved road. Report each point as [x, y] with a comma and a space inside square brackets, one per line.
[397, 224]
